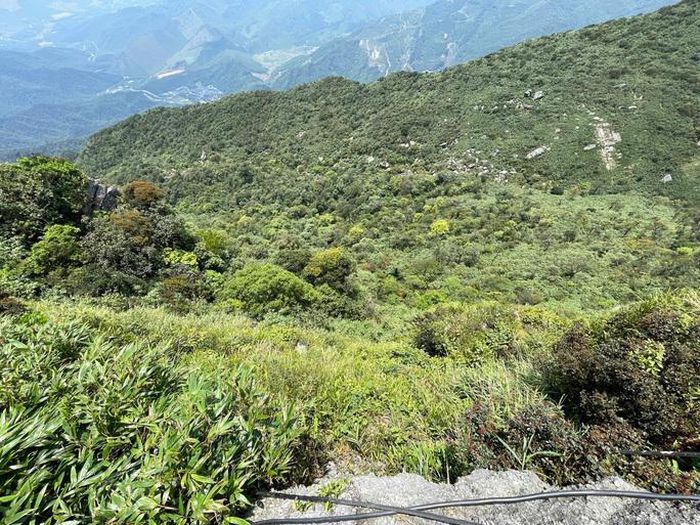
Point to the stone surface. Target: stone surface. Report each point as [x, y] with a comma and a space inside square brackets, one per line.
[407, 490]
[100, 197]
[537, 152]
[607, 139]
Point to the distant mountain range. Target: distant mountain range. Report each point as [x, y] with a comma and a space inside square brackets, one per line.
[449, 32]
[68, 69]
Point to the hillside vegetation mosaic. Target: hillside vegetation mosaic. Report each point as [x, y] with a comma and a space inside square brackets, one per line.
[496, 266]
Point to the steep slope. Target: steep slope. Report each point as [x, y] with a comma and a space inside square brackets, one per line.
[617, 110]
[160, 49]
[151, 38]
[227, 46]
[449, 32]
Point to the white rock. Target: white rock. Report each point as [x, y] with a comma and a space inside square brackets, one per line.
[537, 152]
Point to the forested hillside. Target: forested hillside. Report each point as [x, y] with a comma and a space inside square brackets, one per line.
[494, 267]
[613, 106]
[553, 169]
[161, 53]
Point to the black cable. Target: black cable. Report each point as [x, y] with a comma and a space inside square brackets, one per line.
[562, 494]
[660, 454]
[388, 510]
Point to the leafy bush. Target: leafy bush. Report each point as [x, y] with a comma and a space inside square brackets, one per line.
[470, 333]
[93, 431]
[266, 288]
[142, 194]
[37, 192]
[642, 365]
[131, 246]
[179, 290]
[540, 438]
[332, 267]
[58, 249]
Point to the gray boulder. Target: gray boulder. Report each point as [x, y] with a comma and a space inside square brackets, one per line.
[100, 197]
[537, 152]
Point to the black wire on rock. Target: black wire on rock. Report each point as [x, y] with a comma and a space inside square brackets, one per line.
[386, 510]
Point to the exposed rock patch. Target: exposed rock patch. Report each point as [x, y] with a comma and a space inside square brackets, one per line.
[100, 197]
[607, 139]
[407, 490]
[537, 152]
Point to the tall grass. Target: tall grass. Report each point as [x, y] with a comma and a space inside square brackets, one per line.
[97, 432]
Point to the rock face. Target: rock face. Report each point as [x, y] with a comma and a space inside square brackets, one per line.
[607, 140]
[100, 197]
[407, 490]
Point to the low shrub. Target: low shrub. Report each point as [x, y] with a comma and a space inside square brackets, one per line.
[476, 332]
[95, 432]
[542, 439]
[642, 367]
[332, 267]
[471, 333]
[10, 305]
[266, 288]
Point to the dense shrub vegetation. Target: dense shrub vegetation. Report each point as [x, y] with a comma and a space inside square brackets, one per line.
[375, 275]
[641, 367]
[94, 429]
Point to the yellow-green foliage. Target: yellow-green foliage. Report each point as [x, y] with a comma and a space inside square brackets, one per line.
[97, 430]
[180, 258]
[650, 356]
[365, 402]
[440, 227]
[478, 332]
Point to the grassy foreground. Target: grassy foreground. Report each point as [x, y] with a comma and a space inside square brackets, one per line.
[124, 416]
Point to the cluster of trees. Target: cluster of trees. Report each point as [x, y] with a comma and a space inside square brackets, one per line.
[144, 248]
[426, 239]
[60, 245]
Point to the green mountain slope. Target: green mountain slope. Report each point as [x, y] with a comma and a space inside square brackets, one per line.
[618, 111]
[563, 170]
[433, 274]
[228, 46]
[449, 32]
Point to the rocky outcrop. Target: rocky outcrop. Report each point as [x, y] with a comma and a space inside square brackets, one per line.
[408, 490]
[607, 140]
[100, 197]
